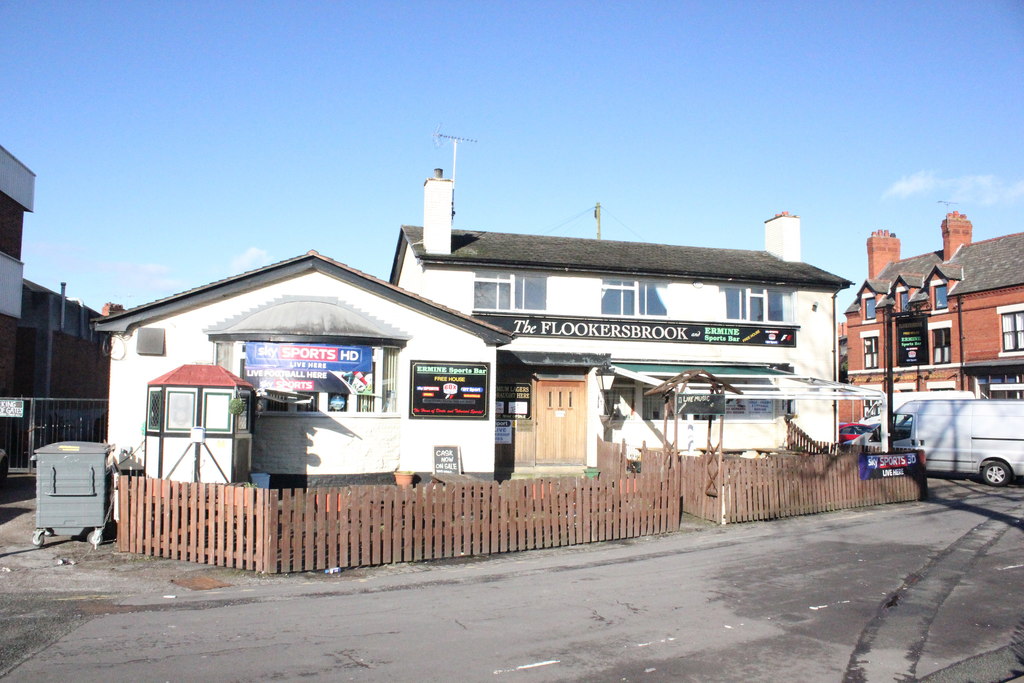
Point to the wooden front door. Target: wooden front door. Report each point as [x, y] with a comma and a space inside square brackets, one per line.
[561, 408]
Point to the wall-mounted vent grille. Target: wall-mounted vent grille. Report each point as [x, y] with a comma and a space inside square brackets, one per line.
[151, 342]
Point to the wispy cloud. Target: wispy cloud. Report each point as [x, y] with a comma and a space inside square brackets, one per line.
[986, 190]
[135, 283]
[251, 258]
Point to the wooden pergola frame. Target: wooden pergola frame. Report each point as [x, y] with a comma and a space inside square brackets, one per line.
[678, 384]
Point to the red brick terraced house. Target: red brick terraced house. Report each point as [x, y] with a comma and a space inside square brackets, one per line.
[957, 315]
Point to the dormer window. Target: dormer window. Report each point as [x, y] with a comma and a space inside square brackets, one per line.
[509, 292]
[869, 308]
[904, 297]
[940, 292]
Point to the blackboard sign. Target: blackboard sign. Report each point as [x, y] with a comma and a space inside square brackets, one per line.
[700, 404]
[447, 460]
[912, 341]
[449, 390]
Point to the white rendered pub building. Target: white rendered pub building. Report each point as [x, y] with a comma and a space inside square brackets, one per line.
[760, 319]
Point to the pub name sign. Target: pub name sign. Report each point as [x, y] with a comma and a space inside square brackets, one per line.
[644, 330]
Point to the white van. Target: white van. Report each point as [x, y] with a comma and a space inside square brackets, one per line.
[966, 436]
[875, 413]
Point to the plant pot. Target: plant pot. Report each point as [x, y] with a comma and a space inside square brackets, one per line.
[404, 478]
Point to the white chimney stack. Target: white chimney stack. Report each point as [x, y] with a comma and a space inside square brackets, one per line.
[437, 213]
[782, 236]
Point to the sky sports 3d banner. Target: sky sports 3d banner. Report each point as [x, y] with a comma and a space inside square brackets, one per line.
[883, 465]
[309, 367]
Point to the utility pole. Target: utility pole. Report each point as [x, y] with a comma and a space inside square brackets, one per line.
[597, 215]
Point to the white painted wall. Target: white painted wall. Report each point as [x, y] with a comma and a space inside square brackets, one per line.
[685, 300]
[335, 444]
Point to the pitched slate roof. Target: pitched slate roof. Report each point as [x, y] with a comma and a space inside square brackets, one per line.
[498, 249]
[991, 264]
[975, 267]
[912, 269]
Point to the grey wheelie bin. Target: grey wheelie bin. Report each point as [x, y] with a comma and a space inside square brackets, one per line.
[73, 490]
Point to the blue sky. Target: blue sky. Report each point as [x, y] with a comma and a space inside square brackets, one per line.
[177, 143]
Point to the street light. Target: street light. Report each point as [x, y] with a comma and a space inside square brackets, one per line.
[605, 377]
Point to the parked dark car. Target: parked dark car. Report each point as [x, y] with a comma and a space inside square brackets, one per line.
[851, 430]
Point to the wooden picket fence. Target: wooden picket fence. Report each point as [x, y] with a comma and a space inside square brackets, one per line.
[292, 530]
[785, 485]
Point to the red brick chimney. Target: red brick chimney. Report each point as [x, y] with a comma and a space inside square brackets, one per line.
[111, 308]
[883, 249]
[956, 232]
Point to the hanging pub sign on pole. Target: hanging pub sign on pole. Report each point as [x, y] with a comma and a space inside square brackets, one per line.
[912, 341]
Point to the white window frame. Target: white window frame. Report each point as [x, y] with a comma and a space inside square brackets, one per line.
[514, 296]
[762, 297]
[864, 307]
[948, 355]
[1016, 334]
[864, 355]
[935, 284]
[635, 295]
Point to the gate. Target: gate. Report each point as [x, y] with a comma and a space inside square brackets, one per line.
[48, 420]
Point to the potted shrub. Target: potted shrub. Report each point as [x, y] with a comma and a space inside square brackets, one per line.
[404, 477]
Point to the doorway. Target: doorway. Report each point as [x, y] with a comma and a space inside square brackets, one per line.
[561, 415]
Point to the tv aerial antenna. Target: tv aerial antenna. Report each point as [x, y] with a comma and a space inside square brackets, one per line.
[439, 139]
[948, 204]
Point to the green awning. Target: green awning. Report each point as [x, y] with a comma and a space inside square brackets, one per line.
[669, 369]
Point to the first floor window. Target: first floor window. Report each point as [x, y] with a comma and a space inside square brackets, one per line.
[1013, 331]
[941, 296]
[940, 346]
[632, 297]
[871, 352]
[758, 304]
[509, 292]
[618, 297]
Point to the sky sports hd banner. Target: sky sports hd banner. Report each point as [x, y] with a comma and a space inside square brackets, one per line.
[310, 367]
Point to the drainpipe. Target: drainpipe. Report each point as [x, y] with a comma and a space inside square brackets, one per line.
[63, 304]
[960, 338]
[835, 365]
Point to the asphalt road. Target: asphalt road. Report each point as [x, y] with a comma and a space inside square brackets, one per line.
[917, 591]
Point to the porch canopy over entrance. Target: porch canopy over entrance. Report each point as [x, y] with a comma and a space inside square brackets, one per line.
[755, 381]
